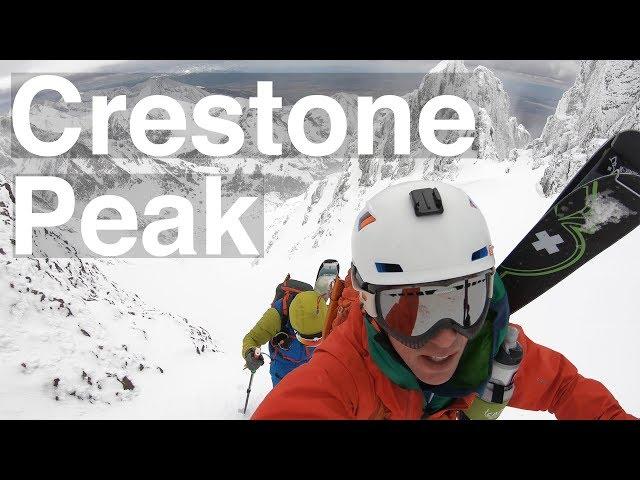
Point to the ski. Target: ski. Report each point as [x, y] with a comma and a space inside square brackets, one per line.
[598, 207]
[618, 150]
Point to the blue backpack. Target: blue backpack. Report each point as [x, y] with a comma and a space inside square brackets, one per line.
[284, 360]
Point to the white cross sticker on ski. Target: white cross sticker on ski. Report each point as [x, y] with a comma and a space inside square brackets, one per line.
[545, 242]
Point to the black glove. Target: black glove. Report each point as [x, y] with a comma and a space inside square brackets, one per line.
[282, 340]
[253, 362]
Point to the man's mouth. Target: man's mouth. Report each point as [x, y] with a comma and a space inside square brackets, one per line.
[439, 362]
[437, 359]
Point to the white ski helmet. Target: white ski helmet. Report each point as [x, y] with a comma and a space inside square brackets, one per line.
[415, 233]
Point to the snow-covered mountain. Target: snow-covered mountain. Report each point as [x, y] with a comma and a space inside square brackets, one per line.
[289, 174]
[604, 100]
[332, 202]
[69, 333]
[497, 132]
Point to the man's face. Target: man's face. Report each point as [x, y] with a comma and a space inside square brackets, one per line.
[436, 361]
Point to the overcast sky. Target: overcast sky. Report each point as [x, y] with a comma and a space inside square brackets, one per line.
[554, 71]
[534, 86]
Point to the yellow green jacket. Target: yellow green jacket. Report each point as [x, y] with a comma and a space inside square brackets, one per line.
[263, 331]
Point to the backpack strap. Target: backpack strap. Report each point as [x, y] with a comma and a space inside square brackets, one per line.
[284, 319]
[289, 292]
[343, 298]
[336, 291]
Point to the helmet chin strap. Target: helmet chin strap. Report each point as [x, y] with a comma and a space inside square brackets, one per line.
[375, 324]
[369, 303]
[368, 299]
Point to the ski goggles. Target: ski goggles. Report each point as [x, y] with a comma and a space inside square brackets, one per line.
[413, 314]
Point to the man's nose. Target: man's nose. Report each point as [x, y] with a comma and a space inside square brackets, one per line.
[444, 338]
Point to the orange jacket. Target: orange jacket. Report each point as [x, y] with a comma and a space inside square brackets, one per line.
[342, 382]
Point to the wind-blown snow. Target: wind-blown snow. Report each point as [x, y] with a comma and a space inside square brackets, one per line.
[602, 210]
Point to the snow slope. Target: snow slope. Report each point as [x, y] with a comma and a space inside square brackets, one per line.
[71, 340]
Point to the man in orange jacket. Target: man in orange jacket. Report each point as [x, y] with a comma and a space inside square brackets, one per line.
[431, 338]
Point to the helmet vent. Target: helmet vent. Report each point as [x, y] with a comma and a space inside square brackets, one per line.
[478, 254]
[388, 267]
[365, 220]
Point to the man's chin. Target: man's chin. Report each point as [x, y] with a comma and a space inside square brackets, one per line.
[434, 379]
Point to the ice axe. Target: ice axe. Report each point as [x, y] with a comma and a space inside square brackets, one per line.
[246, 402]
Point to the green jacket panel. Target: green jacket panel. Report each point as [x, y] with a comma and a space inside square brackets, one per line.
[263, 331]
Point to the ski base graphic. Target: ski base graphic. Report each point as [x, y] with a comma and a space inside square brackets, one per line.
[602, 207]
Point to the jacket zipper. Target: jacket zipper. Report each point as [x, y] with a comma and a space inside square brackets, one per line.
[426, 406]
